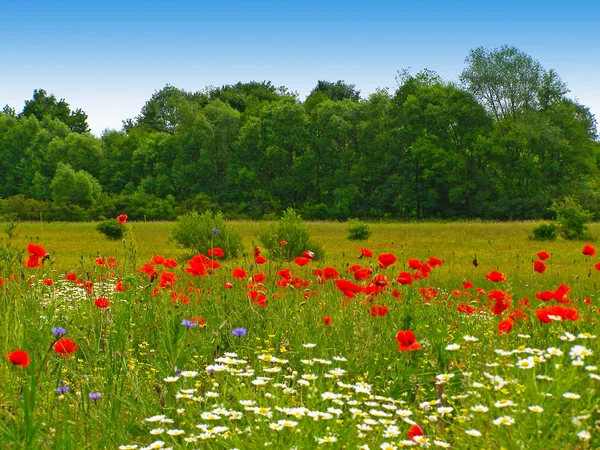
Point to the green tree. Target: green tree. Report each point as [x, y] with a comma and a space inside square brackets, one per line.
[70, 187]
[44, 105]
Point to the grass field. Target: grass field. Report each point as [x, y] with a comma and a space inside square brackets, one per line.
[167, 365]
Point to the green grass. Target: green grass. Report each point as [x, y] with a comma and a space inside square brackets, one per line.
[129, 351]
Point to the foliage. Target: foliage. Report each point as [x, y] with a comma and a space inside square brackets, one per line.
[202, 232]
[547, 231]
[571, 218]
[111, 228]
[358, 231]
[288, 238]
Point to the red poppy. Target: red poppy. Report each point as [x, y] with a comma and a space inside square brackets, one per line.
[33, 262]
[170, 263]
[238, 273]
[348, 288]
[467, 285]
[434, 262]
[197, 266]
[282, 243]
[148, 269]
[258, 298]
[502, 302]
[301, 261]
[260, 259]
[495, 277]
[564, 313]
[327, 321]
[539, 266]
[464, 308]
[47, 282]
[218, 252]
[199, 320]
[71, 276]
[122, 219]
[414, 431]
[228, 285]
[308, 254]
[404, 278]
[386, 260]
[102, 302]
[65, 347]
[37, 250]
[379, 310]
[329, 273]
[19, 358]
[259, 278]
[543, 255]
[119, 287]
[167, 279]
[285, 273]
[588, 250]
[414, 264]
[366, 253]
[362, 274]
[407, 341]
[505, 325]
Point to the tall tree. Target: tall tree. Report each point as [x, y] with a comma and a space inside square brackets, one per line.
[44, 105]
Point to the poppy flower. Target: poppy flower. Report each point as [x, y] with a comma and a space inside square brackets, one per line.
[495, 277]
[260, 259]
[282, 243]
[47, 282]
[218, 252]
[327, 321]
[258, 298]
[259, 278]
[386, 260]
[228, 285]
[37, 250]
[434, 262]
[238, 273]
[543, 255]
[405, 278]
[539, 266]
[19, 358]
[407, 341]
[122, 219]
[465, 308]
[102, 302]
[71, 276]
[167, 279]
[119, 287]
[301, 261]
[285, 274]
[379, 310]
[544, 314]
[597, 266]
[329, 273]
[414, 431]
[170, 263]
[308, 254]
[588, 250]
[467, 285]
[414, 264]
[365, 253]
[65, 347]
[362, 274]
[198, 320]
[505, 325]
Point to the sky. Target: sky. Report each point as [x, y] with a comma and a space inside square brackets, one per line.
[109, 57]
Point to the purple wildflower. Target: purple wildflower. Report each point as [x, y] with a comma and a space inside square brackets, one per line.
[239, 332]
[188, 323]
[94, 395]
[59, 331]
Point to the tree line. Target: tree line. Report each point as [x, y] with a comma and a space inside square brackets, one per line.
[501, 143]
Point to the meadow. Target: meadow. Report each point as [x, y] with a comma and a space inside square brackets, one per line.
[445, 337]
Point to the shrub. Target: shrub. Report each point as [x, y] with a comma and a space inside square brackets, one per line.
[291, 230]
[358, 231]
[545, 232]
[572, 218]
[201, 232]
[111, 228]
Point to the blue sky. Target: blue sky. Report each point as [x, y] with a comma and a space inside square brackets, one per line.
[109, 57]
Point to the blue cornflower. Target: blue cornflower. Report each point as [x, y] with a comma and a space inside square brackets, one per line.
[239, 332]
[215, 231]
[188, 323]
[62, 388]
[94, 395]
[59, 331]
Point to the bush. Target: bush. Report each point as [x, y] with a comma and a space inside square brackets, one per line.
[544, 232]
[291, 229]
[201, 232]
[358, 231]
[111, 228]
[572, 218]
